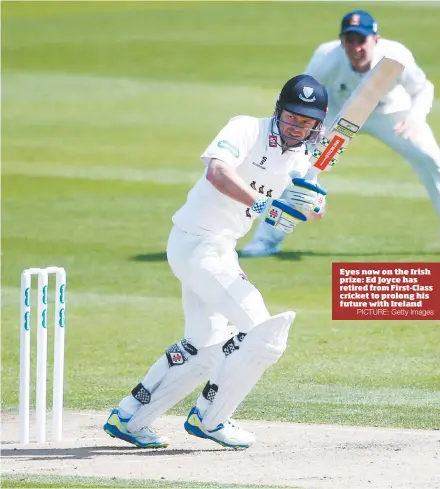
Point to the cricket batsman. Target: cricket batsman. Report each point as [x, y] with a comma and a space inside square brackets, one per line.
[230, 339]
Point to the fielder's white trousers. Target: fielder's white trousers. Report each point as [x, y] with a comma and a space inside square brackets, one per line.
[218, 300]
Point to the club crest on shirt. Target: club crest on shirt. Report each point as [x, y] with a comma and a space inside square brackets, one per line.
[273, 140]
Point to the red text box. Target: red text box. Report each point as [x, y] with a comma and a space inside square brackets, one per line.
[394, 291]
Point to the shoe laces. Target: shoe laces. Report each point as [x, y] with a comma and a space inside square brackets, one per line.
[148, 431]
[233, 423]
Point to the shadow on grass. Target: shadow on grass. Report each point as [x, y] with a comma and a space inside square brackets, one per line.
[299, 255]
[150, 257]
[81, 453]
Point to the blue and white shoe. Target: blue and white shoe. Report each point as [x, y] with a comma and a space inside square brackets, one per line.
[258, 248]
[228, 434]
[116, 427]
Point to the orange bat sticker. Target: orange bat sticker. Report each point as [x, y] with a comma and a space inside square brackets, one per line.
[330, 151]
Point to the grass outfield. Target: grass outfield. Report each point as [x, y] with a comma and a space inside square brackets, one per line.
[106, 109]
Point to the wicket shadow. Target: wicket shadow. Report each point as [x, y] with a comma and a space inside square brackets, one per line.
[82, 453]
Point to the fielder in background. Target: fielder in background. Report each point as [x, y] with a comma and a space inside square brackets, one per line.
[230, 338]
[399, 120]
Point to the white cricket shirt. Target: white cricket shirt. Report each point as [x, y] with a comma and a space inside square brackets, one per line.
[412, 91]
[251, 146]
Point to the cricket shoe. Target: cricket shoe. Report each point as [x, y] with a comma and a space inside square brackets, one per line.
[258, 248]
[228, 434]
[116, 427]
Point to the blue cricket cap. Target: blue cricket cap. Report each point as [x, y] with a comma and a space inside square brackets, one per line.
[359, 21]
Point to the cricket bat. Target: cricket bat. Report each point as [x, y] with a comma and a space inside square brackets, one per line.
[353, 115]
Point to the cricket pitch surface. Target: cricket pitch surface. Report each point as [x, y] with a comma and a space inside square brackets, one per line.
[285, 454]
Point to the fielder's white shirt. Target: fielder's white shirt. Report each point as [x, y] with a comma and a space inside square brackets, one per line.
[251, 146]
[412, 91]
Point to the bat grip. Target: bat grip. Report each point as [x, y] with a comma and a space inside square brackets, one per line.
[312, 172]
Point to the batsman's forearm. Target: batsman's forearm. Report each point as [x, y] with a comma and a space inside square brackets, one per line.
[226, 180]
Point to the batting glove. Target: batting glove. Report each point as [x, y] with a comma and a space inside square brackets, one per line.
[306, 195]
[278, 213]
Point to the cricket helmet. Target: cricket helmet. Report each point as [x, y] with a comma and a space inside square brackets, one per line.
[303, 95]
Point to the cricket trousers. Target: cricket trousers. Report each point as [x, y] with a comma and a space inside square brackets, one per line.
[217, 298]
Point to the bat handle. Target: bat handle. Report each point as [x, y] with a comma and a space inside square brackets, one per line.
[312, 172]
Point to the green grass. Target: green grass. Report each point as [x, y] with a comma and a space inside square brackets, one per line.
[106, 108]
[23, 480]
